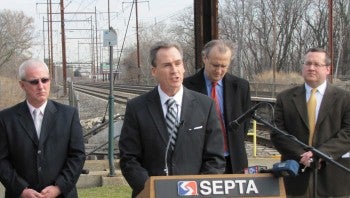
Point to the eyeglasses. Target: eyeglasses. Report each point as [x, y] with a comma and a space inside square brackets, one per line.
[317, 65]
[36, 81]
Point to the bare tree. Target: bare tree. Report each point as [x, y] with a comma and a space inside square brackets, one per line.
[342, 43]
[182, 31]
[16, 35]
[316, 19]
[270, 35]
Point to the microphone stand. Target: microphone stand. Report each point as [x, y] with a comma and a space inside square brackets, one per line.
[166, 169]
[318, 154]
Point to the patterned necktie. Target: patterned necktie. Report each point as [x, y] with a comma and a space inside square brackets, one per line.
[171, 119]
[311, 111]
[217, 105]
[37, 123]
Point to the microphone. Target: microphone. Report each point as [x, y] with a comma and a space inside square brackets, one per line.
[236, 123]
[180, 124]
[166, 168]
[254, 169]
[288, 168]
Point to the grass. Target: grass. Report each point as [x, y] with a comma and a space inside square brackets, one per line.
[123, 191]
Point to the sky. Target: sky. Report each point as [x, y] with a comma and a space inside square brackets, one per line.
[150, 11]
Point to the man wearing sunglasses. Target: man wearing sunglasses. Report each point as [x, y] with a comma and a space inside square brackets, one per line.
[41, 141]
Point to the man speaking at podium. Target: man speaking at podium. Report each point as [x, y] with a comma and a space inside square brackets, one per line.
[318, 114]
[170, 130]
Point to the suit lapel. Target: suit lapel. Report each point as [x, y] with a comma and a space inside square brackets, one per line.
[230, 91]
[300, 104]
[187, 107]
[199, 82]
[48, 120]
[25, 119]
[327, 103]
[157, 115]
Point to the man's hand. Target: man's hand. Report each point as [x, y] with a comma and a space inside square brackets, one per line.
[30, 193]
[51, 192]
[306, 158]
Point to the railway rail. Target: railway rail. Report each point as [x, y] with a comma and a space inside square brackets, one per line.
[122, 93]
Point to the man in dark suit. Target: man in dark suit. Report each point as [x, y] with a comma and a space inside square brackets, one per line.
[41, 154]
[233, 96]
[147, 147]
[330, 128]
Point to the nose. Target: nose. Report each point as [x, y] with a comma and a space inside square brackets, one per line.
[40, 84]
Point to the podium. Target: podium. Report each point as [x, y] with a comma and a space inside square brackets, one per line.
[226, 185]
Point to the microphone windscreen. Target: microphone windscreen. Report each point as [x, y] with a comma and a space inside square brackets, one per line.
[288, 168]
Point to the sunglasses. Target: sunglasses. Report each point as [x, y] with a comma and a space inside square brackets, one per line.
[36, 81]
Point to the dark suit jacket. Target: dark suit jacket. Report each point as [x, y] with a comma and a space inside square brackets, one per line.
[144, 138]
[236, 102]
[56, 159]
[332, 137]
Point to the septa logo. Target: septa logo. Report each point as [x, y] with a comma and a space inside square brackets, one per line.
[186, 188]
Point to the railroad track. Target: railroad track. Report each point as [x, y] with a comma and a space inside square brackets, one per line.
[123, 93]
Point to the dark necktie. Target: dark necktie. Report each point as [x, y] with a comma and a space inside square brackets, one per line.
[171, 119]
[217, 105]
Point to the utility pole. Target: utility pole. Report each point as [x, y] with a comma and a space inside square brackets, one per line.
[63, 39]
[330, 37]
[205, 26]
[92, 49]
[97, 65]
[49, 36]
[91, 29]
[137, 38]
[44, 38]
[137, 43]
[52, 67]
[274, 47]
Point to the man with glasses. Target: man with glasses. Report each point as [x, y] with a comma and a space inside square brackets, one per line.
[41, 141]
[318, 114]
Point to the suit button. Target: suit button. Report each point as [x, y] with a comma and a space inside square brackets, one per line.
[39, 152]
[39, 169]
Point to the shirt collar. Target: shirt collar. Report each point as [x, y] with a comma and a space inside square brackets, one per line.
[41, 108]
[321, 89]
[177, 97]
[208, 82]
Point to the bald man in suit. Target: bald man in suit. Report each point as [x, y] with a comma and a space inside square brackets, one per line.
[233, 96]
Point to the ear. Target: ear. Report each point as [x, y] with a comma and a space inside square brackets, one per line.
[204, 59]
[154, 71]
[328, 70]
[21, 84]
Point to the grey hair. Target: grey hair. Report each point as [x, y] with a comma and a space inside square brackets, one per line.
[160, 45]
[30, 63]
[222, 46]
